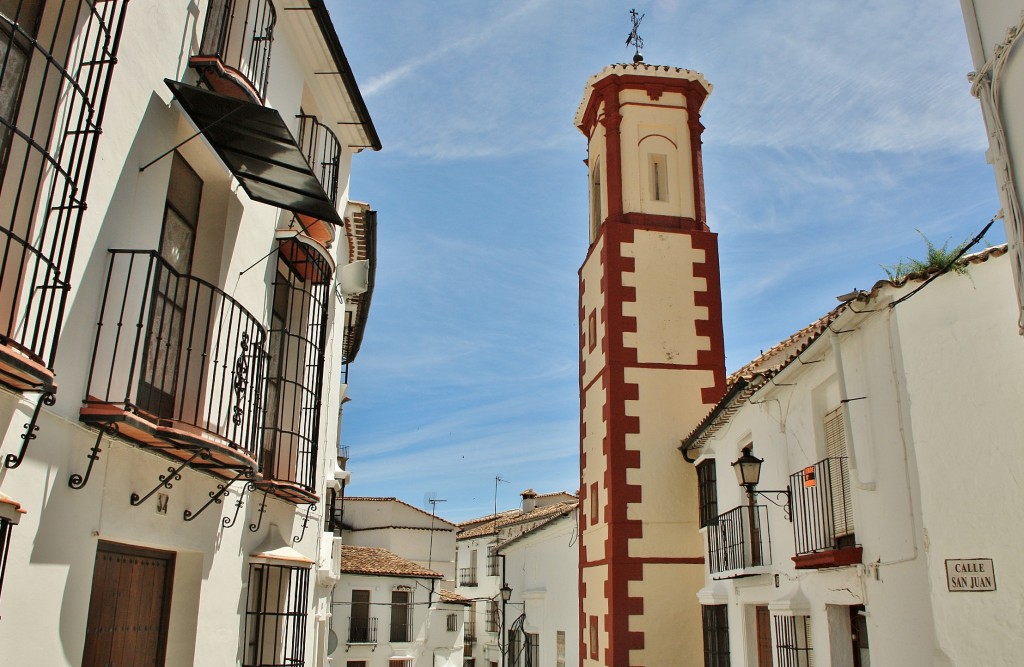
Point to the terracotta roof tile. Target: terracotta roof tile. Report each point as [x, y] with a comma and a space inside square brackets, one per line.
[453, 597]
[513, 517]
[373, 560]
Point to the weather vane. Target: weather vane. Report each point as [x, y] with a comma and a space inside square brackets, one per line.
[635, 39]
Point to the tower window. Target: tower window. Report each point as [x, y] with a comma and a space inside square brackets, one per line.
[596, 214]
[659, 177]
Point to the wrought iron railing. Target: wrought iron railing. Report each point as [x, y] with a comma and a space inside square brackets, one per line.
[175, 347]
[467, 576]
[739, 539]
[275, 616]
[295, 376]
[239, 33]
[55, 68]
[822, 512]
[323, 152]
[362, 630]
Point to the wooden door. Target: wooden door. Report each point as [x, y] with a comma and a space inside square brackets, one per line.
[130, 607]
[764, 636]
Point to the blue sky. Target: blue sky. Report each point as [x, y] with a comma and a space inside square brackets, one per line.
[835, 131]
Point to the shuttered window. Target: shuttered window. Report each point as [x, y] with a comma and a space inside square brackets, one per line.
[839, 472]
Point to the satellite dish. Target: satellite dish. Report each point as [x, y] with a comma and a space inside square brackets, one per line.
[332, 641]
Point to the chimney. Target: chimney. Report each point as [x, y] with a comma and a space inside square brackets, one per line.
[529, 500]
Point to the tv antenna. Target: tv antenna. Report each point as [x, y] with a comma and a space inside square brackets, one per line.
[634, 38]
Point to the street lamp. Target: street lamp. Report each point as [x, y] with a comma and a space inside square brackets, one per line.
[506, 595]
[748, 473]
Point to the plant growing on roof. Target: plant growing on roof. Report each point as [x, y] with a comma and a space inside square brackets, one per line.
[936, 258]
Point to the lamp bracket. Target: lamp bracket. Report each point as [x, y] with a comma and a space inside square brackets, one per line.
[783, 500]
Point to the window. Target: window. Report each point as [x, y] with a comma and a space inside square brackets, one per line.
[515, 649]
[592, 330]
[716, 635]
[452, 622]
[355, 663]
[18, 27]
[400, 662]
[707, 491]
[595, 507]
[298, 325]
[532, 653]
[793, 641]
[55, 71]
[560, 648]
[275, 615]
[596, 217]
[401, 616]
[362, 628]
[469, 633]
[659, 177]
[492, 616]
[158, 387]
[492, 561]
[839, 477]
[593, 638]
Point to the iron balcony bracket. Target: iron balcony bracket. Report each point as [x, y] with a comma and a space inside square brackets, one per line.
[253, 527]
[222, 490]
[228, 523]
[14, 460]
[305, 522]
[174, 474]
[77, 481]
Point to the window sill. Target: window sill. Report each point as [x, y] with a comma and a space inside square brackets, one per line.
[830, 558]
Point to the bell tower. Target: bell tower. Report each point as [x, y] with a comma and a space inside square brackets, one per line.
[652, 364]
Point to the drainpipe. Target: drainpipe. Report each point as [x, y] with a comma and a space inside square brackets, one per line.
[844, 401]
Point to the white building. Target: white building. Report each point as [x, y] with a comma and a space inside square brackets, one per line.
[183, 282]
[541, 568]
[547, 587]
[394, 603]
[890, 430]
[391, 612]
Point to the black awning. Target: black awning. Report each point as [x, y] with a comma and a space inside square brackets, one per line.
[258, 149]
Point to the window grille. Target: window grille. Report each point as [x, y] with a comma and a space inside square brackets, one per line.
[492, 561]
[716, 635]
[560, 648]
[55, 69]
[532, 653]
[295, 374]
[452, 622]
[492, 616]
[239, 34]
[707, 491]
[400, 662]
[275, 616]
[514, 649]
[793, 641]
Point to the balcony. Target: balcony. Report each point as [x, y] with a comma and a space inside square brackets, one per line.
[178, 366]
[295, 371]
[362, 630]
[823, 516]
[739, 542]
[234, 55]
[55, 81]
[467, 576]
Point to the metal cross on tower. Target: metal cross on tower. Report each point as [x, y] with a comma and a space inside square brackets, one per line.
[634, 38]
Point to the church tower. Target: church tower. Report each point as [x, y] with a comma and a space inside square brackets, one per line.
[651, 365]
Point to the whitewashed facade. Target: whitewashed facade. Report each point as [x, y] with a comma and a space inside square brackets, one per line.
[482, 568]
[995, 29]
[541, 566]
[894, 424]
[176, 331]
